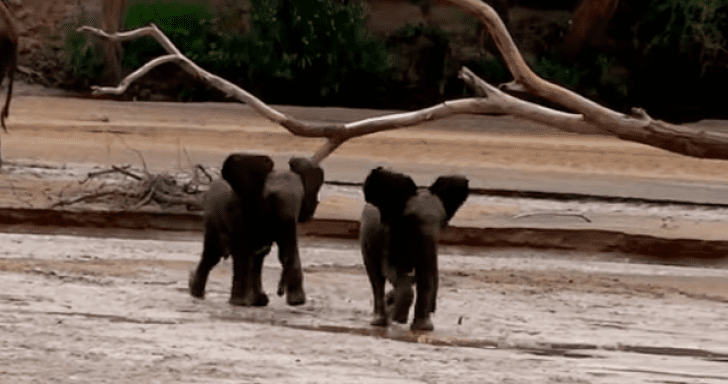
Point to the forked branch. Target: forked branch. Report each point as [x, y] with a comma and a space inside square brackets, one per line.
[587, 116]
[638, 127]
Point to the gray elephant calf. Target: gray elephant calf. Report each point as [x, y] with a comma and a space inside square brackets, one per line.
[400, 228]
[245, 213]
[8, 56]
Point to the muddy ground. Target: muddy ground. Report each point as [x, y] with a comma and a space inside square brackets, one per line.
[91, 310]
[107, 310]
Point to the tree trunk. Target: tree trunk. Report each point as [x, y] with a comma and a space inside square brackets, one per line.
[111, 14]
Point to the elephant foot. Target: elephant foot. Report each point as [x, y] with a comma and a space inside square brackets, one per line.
[197, 288]
[422, 325]
[259, 300]
[380, 321]
[240, 302]
[398, 308]
[400, 318]
[295, 297]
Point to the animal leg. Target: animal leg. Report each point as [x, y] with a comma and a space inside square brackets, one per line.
[243, 288]
[427, 282]
[212, 251]
[261, 299]
[403, 296]
[372, 262]
[291, 282]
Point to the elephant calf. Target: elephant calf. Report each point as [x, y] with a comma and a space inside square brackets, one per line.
[252, 207]
[400, 228]
[8, 56]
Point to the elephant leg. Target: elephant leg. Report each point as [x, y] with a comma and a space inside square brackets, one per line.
[373, 264]
[291, 282]
[402, 296]
[212, 251]
[427, 283]
[261, 299]
[243, 288]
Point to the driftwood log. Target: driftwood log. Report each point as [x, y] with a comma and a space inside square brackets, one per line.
[586, 116]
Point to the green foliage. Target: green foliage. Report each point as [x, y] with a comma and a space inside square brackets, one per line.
[612, 79]
[421, 55]
[695, 29]
[83, 59]
[492, 69]
[602, 78]
[319, 48]
[569, 75]
[187, 24]
[300, 52]
[680, 57]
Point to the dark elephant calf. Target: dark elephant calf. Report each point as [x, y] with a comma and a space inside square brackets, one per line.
[8, 56]
[400, 228]
[245, 213]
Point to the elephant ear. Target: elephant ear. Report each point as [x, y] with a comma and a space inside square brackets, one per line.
[246, 175]
[452, 191]
[388, 191]
[313, 177]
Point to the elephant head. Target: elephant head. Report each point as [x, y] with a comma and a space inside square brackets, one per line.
[312, 177]
[388, 191]
[393, 193]
[246, 175]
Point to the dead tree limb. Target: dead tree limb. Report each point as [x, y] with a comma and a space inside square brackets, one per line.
[587, 116]
[638, 128]
[136, 190]
[336, 134]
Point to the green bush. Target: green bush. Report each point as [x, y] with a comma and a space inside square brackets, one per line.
[422, 64]
[83, 61]
[302, 52]
[318, 49]
[681, 52]
[491, 69]
[569, 75]
[188, 25]
[692, 29]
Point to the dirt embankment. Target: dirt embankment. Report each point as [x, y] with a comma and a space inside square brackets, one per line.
[54, 143]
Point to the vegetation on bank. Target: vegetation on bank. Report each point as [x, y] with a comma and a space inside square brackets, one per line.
[668, 56]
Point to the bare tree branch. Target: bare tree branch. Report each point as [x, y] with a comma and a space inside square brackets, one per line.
[523, 74]
[86, 197]
[175, 55]
[513, 106]
[141, 190]
[587, 116]
[336, 134]
[638, 128]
